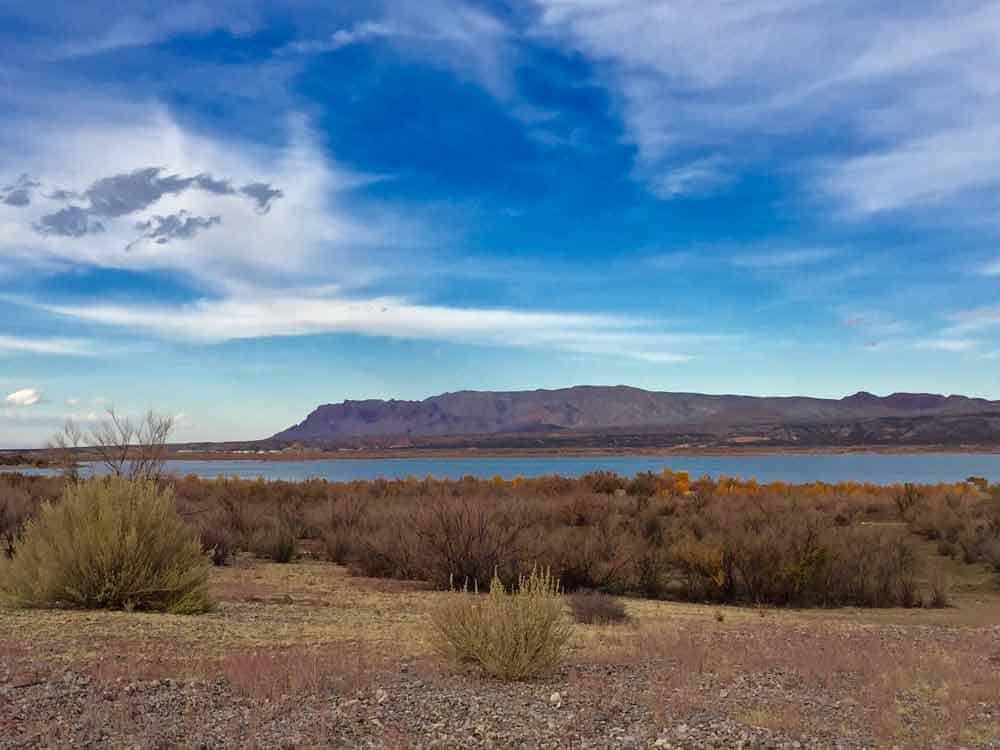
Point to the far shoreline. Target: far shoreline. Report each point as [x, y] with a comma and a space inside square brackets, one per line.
[687, 451]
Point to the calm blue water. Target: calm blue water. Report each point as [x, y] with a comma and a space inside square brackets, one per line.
[864, 467]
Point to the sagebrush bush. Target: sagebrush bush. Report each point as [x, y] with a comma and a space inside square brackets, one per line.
[109, 544]
[511, 635]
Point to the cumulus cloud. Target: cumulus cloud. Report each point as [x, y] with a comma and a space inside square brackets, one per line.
[131, 192]
[262, 194]
[71, 221]
[280, 205]
[19, 193]
[24, 397]
[162, 229]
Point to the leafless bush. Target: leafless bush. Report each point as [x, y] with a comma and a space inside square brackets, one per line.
[134, 450]
[597, 608]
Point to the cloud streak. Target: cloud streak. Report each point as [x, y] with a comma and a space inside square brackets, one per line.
[247, 318]
[66, 347]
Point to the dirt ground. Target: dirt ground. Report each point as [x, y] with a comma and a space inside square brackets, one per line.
[304, 655]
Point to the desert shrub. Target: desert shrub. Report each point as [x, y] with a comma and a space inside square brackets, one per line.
[15, 506]
[596, 608]
[991, 554]
[906, 498]
[871, 568]
[511, 635]
[277, 542]
[594, 557]
[940, 593]
[467, 539]
[109, 544]
[217, 541]
[661, 534]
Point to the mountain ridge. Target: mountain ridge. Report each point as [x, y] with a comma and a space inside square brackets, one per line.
[593, 409]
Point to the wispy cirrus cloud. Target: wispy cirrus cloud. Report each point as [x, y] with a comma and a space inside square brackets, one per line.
[975, 319]
[895, 87]
[267, 316]
[461, 37]
[784, 258]
[56, 346]
[953, 345]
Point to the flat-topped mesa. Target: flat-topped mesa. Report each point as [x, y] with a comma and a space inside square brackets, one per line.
[616, 408]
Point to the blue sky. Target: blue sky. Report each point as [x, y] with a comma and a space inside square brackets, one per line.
[234, 211]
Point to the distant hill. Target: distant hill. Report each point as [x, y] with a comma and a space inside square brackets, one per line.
[568, 414]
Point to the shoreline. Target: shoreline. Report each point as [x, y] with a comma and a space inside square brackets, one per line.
[371, 454]
[692, 452]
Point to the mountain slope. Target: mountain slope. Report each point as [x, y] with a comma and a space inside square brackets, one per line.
[616, 408]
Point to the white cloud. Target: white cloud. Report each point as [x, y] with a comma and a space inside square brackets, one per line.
[909, 92]
[976, 319]
[919, 171]
[305, 234]
[44, 346]
[24, 397]
[260, 315]
[783, 258]
[459, 37]
[694, 178]
[947, 345]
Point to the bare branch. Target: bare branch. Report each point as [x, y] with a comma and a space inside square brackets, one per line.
[64, 448]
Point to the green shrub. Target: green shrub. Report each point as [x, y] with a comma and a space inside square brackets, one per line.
[511, 635]
[108, 544]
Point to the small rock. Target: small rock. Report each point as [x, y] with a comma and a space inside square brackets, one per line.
[555, 700]
[381, 696]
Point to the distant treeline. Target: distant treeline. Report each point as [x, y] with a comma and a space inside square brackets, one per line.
[659, 535]
[36, 460]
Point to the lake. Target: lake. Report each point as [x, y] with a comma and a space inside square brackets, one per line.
[864, 467]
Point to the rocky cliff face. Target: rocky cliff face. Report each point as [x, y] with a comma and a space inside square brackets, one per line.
[616, 408]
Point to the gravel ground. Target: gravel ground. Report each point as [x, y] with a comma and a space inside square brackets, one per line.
[584, 706]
